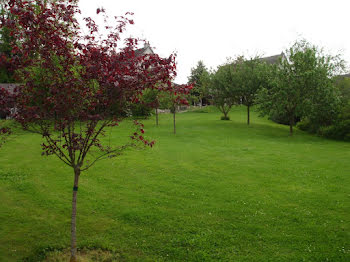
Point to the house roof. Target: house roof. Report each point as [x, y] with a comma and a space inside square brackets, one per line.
[343, 76]
[146, 50]
[272, 59]
[11, 88]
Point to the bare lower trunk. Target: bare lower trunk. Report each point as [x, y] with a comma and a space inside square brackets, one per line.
[201, 103]
[157, 116]
[73, 257]
[291, 123]
[174, 120]
[248, 115]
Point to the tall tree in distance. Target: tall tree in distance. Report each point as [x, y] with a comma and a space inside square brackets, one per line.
[198, 91]
[76, 86]
[303, 85]
[250, 77]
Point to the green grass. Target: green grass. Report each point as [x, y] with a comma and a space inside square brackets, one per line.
[215, 191]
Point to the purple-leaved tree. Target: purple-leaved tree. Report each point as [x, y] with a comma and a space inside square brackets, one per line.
[75, 85]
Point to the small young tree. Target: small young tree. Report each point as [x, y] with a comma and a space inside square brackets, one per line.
[174, 97]
[152, 100]
[156, 105]
[250, 77]
[224, 89]
[303, 85]
[76, 86]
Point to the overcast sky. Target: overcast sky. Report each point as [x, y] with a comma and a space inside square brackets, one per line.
[214, 30]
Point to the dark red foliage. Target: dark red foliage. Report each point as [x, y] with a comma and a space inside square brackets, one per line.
[76, 85]
[178, 93]
[5, 101]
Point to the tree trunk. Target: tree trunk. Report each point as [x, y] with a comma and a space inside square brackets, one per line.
[291, 123]
[174, 120]
[248, 115]
[201, 103]
[157, 116]
[73, 257]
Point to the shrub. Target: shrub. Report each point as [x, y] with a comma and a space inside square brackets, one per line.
[145, 107]
[281, 118]
[306, 125]
[340, 131]
[225, 118]
[141, 110]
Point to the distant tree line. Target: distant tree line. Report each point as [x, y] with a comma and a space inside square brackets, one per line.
[303, 89]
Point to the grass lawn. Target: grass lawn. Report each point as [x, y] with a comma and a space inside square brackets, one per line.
[215, 191]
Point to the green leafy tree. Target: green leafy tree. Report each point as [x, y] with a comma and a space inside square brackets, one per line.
[148, 101]
[224, 88]
[154, 96]
[6, 74]
[205, 80]
[340, 128]
[251, 76]
[303, 85]
[198, 91]
[175, 96]
[343, 85]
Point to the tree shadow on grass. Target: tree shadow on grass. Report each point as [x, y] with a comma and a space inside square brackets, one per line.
[269, 131]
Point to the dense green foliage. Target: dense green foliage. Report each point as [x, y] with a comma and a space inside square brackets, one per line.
[198, 91]
[252, 75]
[149, 101]
[236, 82]
[302, 86]
[339, 128]
[217, 191]
[223, 88]
[6, 75]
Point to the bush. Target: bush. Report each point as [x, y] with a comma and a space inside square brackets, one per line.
[280, 118]
[147, 103]
[225, 118]
[339, 131]
[306, 125]
[141, 110]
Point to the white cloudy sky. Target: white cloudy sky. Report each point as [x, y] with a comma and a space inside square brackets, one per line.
[212, 30]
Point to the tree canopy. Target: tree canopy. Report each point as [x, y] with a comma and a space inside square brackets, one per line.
[251, 76]
[198, 91]
[302, 85]
[224, 88]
